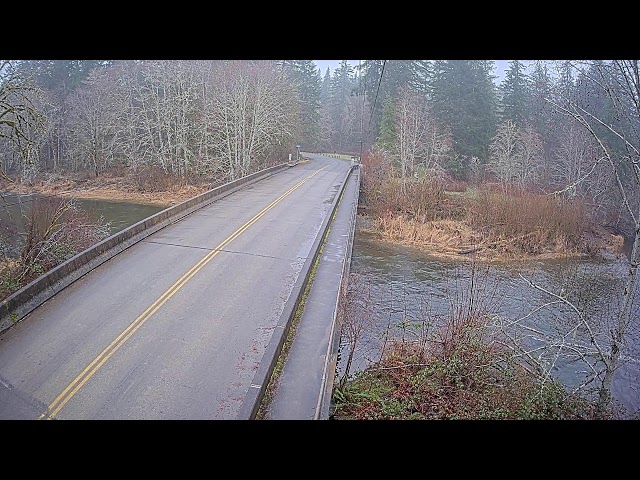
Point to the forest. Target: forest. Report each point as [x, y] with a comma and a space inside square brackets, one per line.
[442, 118]
[562, 130]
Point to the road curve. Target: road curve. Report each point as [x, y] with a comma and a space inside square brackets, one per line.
[176, 326]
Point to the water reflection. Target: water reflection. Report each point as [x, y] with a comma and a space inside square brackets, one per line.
[15, 209]
[119, 215]
[407, 291]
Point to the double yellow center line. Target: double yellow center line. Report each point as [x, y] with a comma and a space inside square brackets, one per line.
[61, 400]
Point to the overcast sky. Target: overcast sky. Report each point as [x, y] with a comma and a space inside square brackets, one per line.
[501, 66]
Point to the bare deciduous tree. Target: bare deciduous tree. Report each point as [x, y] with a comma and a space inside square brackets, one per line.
[504, 161]
[619, 147]
[419, 140]
[92, 120]
[250, 112]
[516, 155]
[411, 127]
[21, 122]
[620, 79]
[531, 153]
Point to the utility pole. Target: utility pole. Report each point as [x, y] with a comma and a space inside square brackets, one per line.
[364, 97]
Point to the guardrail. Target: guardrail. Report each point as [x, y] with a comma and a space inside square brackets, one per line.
[15, 307]
[341, 156]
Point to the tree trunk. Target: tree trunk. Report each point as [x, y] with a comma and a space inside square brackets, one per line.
[624, 318]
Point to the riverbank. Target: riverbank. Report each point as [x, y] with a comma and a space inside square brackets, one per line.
[400, 296]
[455, 239]
[451, 236]
[110, 186]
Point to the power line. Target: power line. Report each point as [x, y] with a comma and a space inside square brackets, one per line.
[376, 97]
[364, 96]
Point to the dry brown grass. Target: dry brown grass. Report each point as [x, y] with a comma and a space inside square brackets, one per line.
[439, 237]
[490, 225]
[528, 223]
[112, 186]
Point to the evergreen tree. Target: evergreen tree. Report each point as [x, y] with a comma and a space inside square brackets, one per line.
[372, 71]
[62, 76]
[516, 94]
[398, 75]
[564, 88]
[541, 112]
[422, 76]
[341, 105]
[327, 128]
[464, 99]
[384, 79]
[387, 137]
[590, 96]
[305, 76]
[326, 86]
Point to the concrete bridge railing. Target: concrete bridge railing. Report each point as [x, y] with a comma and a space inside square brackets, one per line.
[15, 307]
[263, 375]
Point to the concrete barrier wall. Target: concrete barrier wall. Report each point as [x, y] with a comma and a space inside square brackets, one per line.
[15, 307]
[262, 377]
[323, 411]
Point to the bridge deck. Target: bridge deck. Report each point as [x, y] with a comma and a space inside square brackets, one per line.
[175, 326]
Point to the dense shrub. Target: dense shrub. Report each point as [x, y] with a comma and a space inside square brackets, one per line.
[529, 222]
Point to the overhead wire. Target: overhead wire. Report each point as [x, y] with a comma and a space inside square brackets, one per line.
[363, 90]
[384, 63]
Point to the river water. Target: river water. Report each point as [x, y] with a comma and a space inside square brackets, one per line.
[14, 209]
[405, 293]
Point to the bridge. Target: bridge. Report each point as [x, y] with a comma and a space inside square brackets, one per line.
[196, 312]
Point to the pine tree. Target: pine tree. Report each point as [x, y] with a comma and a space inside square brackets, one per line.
[464, 99]
[516, 94]
[385, 78]
[62, 76]
[591, 97]
[326, 125]
[398, 75]
[305, 76]
[372, 72]
[387, 137]
[541, 112]
[325, 89]
[422, 76]
[342, 88]
[565, 86]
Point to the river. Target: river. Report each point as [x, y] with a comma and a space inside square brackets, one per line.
[117, 215]
[405, 293]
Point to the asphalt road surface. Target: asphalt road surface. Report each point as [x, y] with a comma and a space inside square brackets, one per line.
[175, 326]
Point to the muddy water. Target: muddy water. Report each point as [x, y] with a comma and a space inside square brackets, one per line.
[14, 209]
[407, 293]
